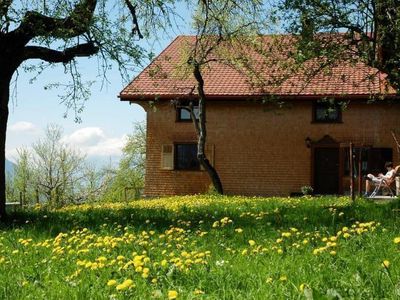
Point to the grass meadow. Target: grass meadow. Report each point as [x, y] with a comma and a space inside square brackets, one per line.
[204, 247]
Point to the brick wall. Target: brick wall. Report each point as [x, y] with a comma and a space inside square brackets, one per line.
[258, 150]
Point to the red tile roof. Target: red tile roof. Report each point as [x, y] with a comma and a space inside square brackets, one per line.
[162, 79]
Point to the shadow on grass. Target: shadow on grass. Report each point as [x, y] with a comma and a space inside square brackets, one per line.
[310, 215]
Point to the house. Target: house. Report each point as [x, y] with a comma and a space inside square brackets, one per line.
[256, 149]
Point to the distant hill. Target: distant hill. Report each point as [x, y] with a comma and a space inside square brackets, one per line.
[10, 167]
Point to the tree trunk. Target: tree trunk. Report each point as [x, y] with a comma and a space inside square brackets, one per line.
[202, 132]
[4, 97]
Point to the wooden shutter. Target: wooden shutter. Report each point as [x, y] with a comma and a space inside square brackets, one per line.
[167, 157]
[209, 152]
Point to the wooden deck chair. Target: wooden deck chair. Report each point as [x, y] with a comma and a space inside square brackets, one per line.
[387, 184]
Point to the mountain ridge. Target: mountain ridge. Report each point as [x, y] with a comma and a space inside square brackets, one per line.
[10, 166]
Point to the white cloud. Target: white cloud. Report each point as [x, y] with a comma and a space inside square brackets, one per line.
[91, 141]
[20, 134]
[88, 136]
[94, 142]
[23, 126]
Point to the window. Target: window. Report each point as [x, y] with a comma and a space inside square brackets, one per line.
[183, 114]
[325, 112]
[186, 157]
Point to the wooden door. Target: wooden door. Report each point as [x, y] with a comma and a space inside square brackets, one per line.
[326, 170]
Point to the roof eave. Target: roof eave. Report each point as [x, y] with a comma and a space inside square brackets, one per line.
[152, 97]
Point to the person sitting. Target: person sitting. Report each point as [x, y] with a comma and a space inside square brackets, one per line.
[373, 181]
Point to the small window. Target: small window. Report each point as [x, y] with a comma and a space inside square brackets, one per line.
[186, 157]
[183, 114]
[327, 113]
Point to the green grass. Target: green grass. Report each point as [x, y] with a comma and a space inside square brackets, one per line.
[204, 247]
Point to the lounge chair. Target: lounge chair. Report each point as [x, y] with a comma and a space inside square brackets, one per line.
[388, 185]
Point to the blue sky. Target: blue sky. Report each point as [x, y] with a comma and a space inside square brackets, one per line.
[105, 121]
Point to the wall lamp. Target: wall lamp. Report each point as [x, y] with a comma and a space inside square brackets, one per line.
[308, 142]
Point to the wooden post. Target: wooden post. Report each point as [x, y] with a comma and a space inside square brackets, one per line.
[359, 172]
[351, 173]
[37, 195]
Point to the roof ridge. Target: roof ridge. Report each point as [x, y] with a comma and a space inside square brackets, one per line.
[151, 63]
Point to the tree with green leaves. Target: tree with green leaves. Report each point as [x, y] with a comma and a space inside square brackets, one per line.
[355, 30]
[220, 26]
[127, 181]
[60, 32]
[53, 173]
[56, 167]
[324, 32]
[22, 176]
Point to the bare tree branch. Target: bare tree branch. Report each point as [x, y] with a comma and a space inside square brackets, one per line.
[132, 9]
[54, 56]
[36, 24]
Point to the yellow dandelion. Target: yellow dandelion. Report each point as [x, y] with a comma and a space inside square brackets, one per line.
[283, 278]
[164, 262]
[101, 259]
[198, 292]
[396, 240]
[111, 282]
[386, 264]
[172, 295]
[128, 283]
[120, 287]
[252, 243]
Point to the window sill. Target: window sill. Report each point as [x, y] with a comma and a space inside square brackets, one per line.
[326, 122]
